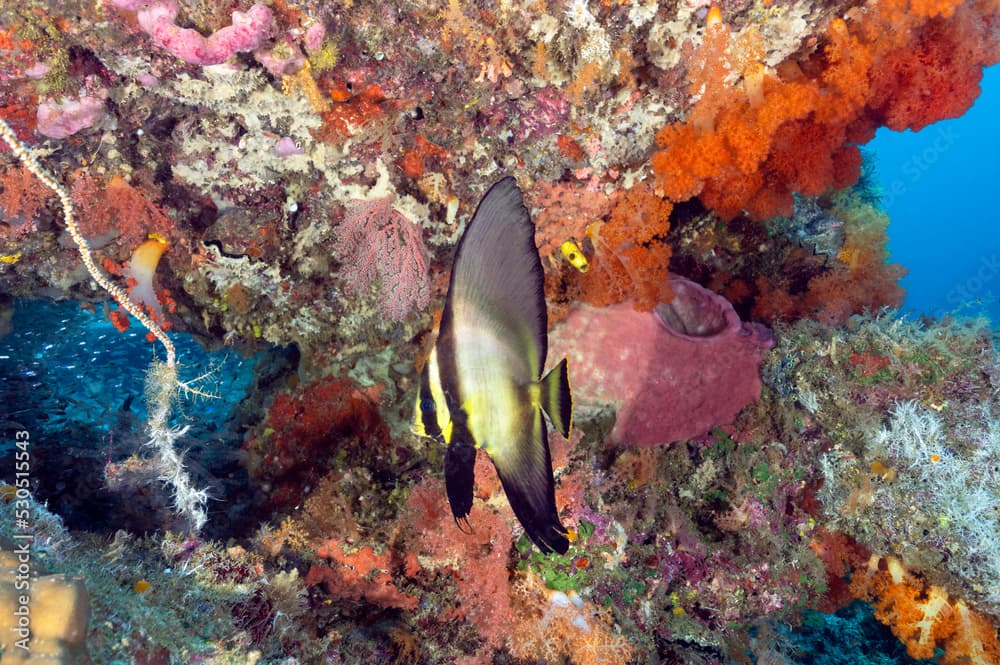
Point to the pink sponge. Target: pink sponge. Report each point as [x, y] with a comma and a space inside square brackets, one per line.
[673, 373]
[248, 31]
[58, 120]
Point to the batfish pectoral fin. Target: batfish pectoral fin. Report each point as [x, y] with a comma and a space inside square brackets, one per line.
[525, 471]
[459, 476]
[557, 398]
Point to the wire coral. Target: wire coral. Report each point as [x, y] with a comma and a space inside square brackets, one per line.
[162, 384]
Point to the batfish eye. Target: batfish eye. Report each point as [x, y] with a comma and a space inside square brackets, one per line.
[427, 404]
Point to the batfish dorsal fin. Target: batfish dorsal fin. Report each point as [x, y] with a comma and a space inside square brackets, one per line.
[497, 274]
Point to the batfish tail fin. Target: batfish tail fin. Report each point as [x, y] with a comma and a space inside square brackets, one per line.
[557, 398]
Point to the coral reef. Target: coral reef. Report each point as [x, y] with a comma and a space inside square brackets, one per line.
[287, 181]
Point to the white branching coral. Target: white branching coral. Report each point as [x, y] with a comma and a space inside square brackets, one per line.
[948, 481]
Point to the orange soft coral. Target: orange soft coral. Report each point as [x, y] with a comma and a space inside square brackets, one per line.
[359, 575]
[859, 279]
[923, 616]
[899, 63]
[632, 253]
[708, 68]
[625, 240]
[415, 160]
[565, 210]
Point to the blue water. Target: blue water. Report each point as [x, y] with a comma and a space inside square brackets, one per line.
[63, 366]
[940, 190]
[75, 385]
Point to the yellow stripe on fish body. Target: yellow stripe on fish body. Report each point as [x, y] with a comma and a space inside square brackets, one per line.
[432, 417]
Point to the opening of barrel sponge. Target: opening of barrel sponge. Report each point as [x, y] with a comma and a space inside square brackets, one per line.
[140, 271]
[695, 312]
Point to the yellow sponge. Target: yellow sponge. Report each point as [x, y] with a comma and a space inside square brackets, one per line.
[44, 622]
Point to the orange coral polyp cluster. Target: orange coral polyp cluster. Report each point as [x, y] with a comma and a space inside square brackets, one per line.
[898, 63]
[923, 616]
[633, 255]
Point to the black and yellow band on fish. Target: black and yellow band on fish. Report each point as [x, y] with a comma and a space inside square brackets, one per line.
[426, 411]
[557, 398]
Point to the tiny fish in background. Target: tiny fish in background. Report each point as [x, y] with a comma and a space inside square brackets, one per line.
[480, 387]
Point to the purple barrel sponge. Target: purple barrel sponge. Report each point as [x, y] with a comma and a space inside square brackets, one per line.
[673, 373]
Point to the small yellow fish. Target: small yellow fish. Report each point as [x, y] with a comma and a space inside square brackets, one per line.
[142, 586]
[574, 255]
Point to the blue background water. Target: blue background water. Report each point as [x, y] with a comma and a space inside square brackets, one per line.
[66, 368]
[941, 187]
[75, 385]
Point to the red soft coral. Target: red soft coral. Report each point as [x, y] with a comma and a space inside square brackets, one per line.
[359, 575]
[935, 77]
[306, 425]
[892, 65]
[21, 198]
[477, 559]
[120, 208]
